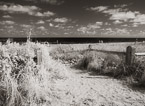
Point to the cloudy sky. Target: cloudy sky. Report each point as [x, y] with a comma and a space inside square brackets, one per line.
[72, 18]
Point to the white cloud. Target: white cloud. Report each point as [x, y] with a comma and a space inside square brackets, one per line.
[48, 13]
[135, 24]
[39, 14]
[51, 25]
[142, 33]
[134, 17]
[26, 26]
[70, 27]
[116, 32]
[90, 28]
[116, 13]
[49, 20]
[7, 16]
[117, 22]
[9, 27]
[61, 20]
[122, 31]
[140, 19]
[106, 23]
[82, 29]
[106, 8]
[57, 26]
[125, 25]
[99, 8]
[60, 26]
[123, 16]
[120, 6]
[85, 30]
[30, 10]
[96, 25]
[7, 22]
[41, 28]
[40, 22]
[66, 33]
[44, 14]
[19, 8]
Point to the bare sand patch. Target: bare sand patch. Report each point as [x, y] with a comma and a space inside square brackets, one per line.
[81, 89]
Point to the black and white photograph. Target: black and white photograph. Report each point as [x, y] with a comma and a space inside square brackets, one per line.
[72, 53]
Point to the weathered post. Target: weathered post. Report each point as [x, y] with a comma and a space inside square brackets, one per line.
[39, 57]
[90, 47]
[130, 55]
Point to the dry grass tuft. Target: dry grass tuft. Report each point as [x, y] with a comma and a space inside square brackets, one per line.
[95, 66]
[98, 62]
[22, 81]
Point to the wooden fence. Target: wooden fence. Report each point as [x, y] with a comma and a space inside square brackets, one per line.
[39, 57]
[131, 55]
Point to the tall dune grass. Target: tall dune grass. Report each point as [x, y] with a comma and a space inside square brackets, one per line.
[22, 81]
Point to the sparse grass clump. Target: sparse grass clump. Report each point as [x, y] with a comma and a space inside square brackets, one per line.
[134, 71]
[22, 81]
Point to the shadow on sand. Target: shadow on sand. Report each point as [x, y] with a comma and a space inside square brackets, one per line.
[136, 87]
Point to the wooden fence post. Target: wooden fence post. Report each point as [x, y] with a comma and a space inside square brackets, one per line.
[39, 57]
[130, 55]
[89, 47]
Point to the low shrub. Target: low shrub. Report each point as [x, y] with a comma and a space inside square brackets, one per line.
[110, 64]
[95, 66]
[99, 62]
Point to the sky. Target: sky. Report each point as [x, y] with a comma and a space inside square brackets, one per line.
[72, 18]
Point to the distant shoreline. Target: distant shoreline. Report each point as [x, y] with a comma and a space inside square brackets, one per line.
[75, 40]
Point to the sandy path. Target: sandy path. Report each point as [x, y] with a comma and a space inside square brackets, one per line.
[81, 89]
